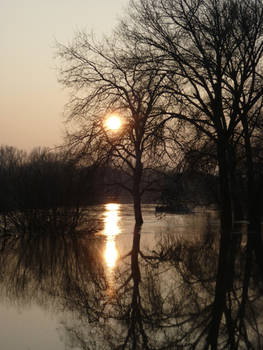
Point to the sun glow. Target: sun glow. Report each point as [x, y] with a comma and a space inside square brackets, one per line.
[113, 123]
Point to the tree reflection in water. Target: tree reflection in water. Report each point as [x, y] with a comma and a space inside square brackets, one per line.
[63, 271]
[202, 294]
[178, 298]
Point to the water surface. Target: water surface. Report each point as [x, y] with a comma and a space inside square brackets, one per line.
[58, 292]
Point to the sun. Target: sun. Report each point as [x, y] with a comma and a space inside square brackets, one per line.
[113, 122]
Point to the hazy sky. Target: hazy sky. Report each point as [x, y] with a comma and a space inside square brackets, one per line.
[31, 100]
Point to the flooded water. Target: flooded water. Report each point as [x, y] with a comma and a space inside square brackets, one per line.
[118, 226]
[81, 293]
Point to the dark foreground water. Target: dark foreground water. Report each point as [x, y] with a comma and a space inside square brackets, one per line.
[125, 288]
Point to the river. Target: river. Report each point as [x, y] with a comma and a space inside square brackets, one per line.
[43, 283]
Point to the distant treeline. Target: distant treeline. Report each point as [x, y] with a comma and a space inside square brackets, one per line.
[185, 190]
[42, 179]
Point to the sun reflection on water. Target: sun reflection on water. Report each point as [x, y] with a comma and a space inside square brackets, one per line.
[111, 253]
[111, 229]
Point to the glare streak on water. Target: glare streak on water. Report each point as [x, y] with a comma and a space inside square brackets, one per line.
[111, 230]
[111, 253]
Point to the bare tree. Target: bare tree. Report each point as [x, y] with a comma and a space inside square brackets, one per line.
[107, 78]
[212, 52]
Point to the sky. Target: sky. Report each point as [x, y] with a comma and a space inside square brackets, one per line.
[31, 100]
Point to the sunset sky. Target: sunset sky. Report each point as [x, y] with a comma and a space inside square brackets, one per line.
[32, 101]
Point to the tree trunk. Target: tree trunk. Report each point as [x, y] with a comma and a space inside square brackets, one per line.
[226, 206]
[254, 193]
[224, 275]
[137, 193]
[137, 209]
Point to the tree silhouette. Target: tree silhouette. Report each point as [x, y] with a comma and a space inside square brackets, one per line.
[105, 79]
[212, 52]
